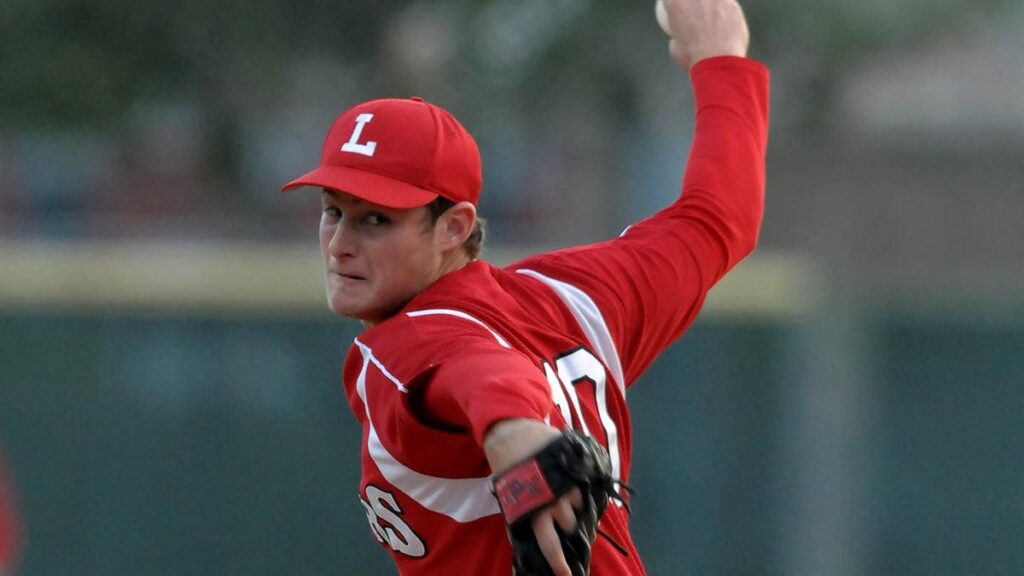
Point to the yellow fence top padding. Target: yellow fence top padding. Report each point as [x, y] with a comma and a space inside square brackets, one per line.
[274, 278]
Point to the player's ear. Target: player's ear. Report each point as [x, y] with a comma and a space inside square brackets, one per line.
[455, 225]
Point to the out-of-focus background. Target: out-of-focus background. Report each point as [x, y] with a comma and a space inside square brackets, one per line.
[850, 403]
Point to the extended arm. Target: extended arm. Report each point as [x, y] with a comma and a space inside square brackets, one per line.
[650, 283]
[700, 29]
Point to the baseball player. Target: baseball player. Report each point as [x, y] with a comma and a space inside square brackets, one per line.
[496, 437]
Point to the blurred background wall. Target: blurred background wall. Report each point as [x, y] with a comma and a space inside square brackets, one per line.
[850, 403]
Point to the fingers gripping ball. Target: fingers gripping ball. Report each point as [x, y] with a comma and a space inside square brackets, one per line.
[662, 15]
[572, 461]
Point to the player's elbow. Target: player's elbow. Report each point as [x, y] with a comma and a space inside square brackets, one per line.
[738, 231]
[736, 242]
[746, 224]
[748, 237]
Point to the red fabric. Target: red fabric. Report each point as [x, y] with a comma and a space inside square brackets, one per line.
[9, 526]
[651, 282]
[398, 152]
[483, 344]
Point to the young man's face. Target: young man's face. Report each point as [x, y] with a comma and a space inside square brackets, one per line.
[376, 259]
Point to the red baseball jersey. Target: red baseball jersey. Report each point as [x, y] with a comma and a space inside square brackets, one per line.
[560, 337]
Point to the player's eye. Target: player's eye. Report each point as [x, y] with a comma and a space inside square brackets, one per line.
[376, 219]
[332, 212]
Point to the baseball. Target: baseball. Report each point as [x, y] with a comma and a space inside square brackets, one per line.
[662, 16]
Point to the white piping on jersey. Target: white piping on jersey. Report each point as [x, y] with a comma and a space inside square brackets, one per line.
[461, 499]
[590, 320]
[459, 314]
[367, 353]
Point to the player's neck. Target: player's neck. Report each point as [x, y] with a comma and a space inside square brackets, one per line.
[452, 262]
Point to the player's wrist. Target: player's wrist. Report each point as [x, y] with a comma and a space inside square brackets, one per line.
[709, 71]
[510, 441]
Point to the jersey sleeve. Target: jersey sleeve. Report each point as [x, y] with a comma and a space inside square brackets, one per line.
[650, 282]
[485, 383]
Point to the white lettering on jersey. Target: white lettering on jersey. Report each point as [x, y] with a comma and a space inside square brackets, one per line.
[399, 535]
[582, 366]
[558, 394]
[375, 527]
[353, 144]
[564, 395]
[575, 368]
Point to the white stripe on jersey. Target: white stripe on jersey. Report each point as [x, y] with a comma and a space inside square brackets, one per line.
[590, 320]
[463, 315]
[367, 353]
[461, 499]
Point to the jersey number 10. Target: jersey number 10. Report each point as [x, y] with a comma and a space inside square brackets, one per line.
[575, 368]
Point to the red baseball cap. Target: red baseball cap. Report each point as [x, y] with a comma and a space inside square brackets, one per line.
[400, 153]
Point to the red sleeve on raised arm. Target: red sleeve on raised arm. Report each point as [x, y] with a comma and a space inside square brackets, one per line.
[650, 282]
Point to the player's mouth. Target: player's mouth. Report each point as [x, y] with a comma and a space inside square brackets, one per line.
[349, 277]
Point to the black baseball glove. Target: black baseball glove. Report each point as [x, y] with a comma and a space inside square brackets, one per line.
[530, 486]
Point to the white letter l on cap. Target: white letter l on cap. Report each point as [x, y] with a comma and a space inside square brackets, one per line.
[353, 144]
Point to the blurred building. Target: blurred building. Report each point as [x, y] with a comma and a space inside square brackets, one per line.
[921, 186]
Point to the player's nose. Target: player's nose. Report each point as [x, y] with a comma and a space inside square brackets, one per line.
[343, 241]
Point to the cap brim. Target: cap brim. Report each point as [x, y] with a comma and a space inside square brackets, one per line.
[366, 185]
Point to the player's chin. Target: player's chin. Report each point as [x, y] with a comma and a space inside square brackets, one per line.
[345, 304]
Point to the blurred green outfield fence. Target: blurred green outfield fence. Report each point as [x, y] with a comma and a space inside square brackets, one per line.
[178, 410]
